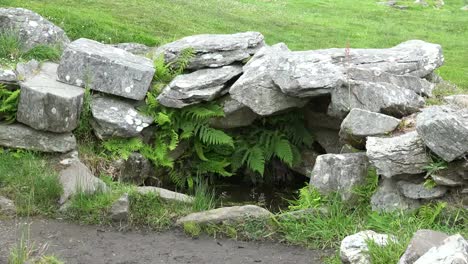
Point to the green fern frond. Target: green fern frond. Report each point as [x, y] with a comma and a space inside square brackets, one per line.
[123, 148]
[203, 112]
[284, 152]
[199, 150]
[213, 136]
[255, 160]
[8, 104]
[162, 119]
[216, 167]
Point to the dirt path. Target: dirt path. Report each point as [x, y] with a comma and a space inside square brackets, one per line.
[95, 245]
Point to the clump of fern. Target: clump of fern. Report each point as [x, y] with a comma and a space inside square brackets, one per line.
[8, 104]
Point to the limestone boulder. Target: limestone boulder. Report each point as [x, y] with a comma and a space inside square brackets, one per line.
[256, 88]
[49, 105]
[199, 86]
[235, 115]
[339, 173]
[445, 131]
[455, 174]
[7, 75]
[33, 29]
[106, 69]
[359, 124]
[419, 191]
[226, 214]
[422, 241]
[134, 48]
[354, 248]
[453, 249]
[165, 194]
[29, 69]
[388, 198]
[213, 50]
[328, 139]
[114, 117]
[23, 137]
[458, 100]
[403, 154]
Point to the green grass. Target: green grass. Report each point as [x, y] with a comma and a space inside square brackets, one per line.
[301, 24]
[26, 178]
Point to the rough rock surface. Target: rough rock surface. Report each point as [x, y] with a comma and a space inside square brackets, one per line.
[445, 131]
[458, 100]
[26, 70]
[422, 241]
[78, 178]
[419, 191]
[198, 86]
[165, 194]
[256, 88]
[455, 174]
[213, 50]
[235, 115]
[404, 154]
[360, 124]
[134, 48]
[7, 75]
[308, 159]
[120, 209]
[381, 97]
[328, 139]
[7, 207]
[388, 198]
[453, 250]
[113, 117]
[226, 214]
[106, 69]
[354, 248]
[33, 29]
[46, 104]
[23, 137]
[136, 169]
[339, 173]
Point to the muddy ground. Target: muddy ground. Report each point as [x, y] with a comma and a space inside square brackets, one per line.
[75, 244]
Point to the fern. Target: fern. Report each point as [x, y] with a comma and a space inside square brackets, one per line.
[8, 104]
[123, 147]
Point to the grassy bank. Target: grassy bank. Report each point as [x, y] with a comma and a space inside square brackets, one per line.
[301, 24]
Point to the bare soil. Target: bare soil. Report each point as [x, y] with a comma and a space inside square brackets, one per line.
[74, 243]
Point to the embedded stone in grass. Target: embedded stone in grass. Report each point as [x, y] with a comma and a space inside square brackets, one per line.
[103, 68]
[339, 173]
[165, 194]
[354, 248]
[422, 241]
[202, 85]
[213, 50]
[7, 207]
[23, 137]
[226, 214]
[403, 154]
[136, 169]
[77, 178]
[120, 209]
[359, 124]
[114, 117]
[46, 104]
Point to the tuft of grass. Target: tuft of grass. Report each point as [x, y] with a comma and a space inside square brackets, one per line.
[10, 46]
[26, 178]
[43, 53]
[390, 253]
[204, 197]
[192, 229]
[84, 130]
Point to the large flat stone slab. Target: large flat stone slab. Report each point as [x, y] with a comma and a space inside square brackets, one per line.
[166, 194]
[106, 69]
[199, 86]
[213, 50]
[49, 105]
[113, 117]
[23, 137]
[235, 115]
[226, 214]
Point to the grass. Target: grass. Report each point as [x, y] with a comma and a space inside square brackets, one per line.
[301, 24]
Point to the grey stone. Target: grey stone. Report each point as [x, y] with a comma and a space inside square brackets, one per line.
[226, 214]
[77, 178]
[422, 241]
[213, 50]
[375, 97]
[136, 169]
[23, 137]
[114, 117]
[388, 198]
[458, 100]
[165, 194]
[445, 131]
[328, 139]
[316, 120]
[33, 29]
[414, 83]
[256, 88]
[307, 74]
[120, 209]
[354, 248]
[134, 48]
[419, 191]
[106, 69]
[339, 173]
[202, 85]
[403, 154]
[7, 75]
[454, 175]
[7, 207]
[235, 115]
[453, 250]
[308, 159]
[46, 104]
[26, 70]
[359, 124]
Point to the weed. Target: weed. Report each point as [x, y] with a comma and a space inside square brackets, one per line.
[192, 229]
